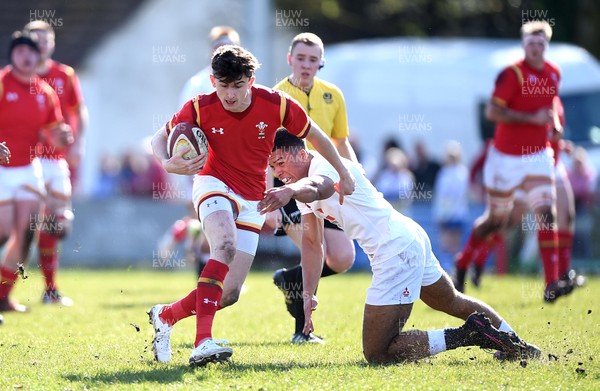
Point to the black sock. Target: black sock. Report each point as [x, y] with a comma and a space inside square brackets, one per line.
[298, 315]
[327, 271]
[454, 338]
[292, 276]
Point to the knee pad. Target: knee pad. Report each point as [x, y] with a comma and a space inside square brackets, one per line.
[214, 204]
[543, 195]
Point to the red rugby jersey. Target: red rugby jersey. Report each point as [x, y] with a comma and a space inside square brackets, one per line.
[64, 81]
[240, 143]
[522, 88]
[25, 109]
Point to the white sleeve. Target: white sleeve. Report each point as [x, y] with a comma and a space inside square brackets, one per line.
[322, 167]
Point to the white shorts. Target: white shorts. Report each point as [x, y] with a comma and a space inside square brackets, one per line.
[57, 178]
[248, 220]
[22, 183]
[504, 173]
[399, 279]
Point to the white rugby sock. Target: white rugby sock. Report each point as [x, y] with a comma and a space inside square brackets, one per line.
[437, 341]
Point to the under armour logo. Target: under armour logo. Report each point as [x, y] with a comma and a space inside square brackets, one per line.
[214, 202]
[206, 301]
[215, 130]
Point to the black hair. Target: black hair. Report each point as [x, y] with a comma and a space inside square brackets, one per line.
[231, 62]
[287, 141]
[23, 38]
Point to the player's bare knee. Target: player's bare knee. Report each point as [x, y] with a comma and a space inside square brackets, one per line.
[375, 356]
[226, 249]
[340, 263]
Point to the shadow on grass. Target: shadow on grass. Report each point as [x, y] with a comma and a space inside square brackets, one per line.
[190, 346]
[278, 367]
[125, 306]
[153, 374]
[173, 374]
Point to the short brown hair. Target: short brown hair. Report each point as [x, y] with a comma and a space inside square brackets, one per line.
[309, 39]
[230, 62]
[537, 27]
[38, 25]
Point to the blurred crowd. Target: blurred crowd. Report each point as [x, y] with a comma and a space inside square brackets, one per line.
[131, 173]
[404, 177]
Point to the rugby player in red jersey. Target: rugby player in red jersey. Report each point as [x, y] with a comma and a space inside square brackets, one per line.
[239, 120]
[565, 215]
[519, 157]
[59, 165]
[29, 109]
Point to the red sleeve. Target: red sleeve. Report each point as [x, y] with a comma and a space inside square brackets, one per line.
[188, 113]
[54, 115]
[507, 86]
[75, 98]
[295, 119]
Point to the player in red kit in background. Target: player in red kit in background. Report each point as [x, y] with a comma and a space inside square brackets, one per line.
[520, 158]
[239, 120]
[29, 110]
[59, 165]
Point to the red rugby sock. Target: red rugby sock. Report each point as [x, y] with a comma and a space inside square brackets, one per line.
[470, 251]
[565, 245]
[548, 240]
[208, 296]
[48, 250]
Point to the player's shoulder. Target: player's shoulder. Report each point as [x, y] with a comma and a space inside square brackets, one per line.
[511, 72]
[552, 67]
[64, 69]
[205, 99]
[4, 72]
[268, 94]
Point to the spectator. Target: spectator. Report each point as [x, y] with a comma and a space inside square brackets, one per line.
[424, 168]
[396, 181]
[108, 180]
[451, 202]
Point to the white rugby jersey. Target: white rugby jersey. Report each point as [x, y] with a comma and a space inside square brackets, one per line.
[366, 216]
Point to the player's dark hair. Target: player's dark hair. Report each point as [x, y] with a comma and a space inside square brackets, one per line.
[287, 141]
[230, 63]
[22, 38]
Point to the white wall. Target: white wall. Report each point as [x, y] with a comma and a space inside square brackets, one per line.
[131, 81]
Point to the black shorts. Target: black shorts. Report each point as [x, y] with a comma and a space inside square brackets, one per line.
[291, 214]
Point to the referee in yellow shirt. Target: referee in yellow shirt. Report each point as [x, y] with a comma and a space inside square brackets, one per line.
[325, 104]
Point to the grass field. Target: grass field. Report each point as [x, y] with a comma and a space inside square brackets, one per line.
[95, 344]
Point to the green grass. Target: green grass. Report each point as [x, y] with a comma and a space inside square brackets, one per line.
[94, 346]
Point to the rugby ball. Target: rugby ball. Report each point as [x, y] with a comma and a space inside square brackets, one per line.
[185, 135]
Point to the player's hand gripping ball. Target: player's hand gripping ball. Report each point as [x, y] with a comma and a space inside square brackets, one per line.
[185, 135]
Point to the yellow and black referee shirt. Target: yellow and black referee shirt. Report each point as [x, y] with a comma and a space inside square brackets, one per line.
[324, 104]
